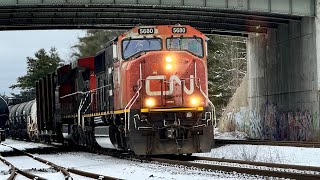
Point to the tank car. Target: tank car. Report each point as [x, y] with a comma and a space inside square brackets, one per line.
[145, 92]
[22, 122]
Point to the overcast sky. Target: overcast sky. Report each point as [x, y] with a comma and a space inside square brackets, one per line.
[15, 46]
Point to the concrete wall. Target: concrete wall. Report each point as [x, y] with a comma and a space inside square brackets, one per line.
[237, 112]
[283, 84]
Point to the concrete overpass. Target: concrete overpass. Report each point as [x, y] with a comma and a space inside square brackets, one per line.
[210, 16]
[282, 101]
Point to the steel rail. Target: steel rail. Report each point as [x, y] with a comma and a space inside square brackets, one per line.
[56, 167]
[253, 163]
[12, 168]
[244, 170]
[260, 172]
[268, 142]
[16, 170]
[64, 170]
[91, 175]
[13, 174]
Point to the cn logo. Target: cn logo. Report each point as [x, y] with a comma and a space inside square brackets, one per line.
[173, 79]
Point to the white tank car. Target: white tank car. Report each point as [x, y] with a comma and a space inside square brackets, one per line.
[32, 126]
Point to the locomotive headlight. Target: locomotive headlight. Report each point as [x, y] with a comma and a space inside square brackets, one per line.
[169, 63]
[195, 101]
[150, 102]
[168, 59]
[168, 66]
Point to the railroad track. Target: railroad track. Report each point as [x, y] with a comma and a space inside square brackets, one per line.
[220, 142]
[227, 165]
[14, 171]
[245, 167]
[65, 171]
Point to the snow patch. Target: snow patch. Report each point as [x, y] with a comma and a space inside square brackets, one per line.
[237, 135]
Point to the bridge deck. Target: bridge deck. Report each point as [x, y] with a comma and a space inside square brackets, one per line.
[210, 16]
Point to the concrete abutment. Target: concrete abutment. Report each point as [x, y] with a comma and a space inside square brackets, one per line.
[283, 83]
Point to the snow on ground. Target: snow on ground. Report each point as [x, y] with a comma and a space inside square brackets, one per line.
[4, 171]
[229, 135]
[126, 169]
[28, 164]
[22, 145]
[272, 154]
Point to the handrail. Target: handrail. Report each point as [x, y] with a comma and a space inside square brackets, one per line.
[213, 110]
[82, 102]
[131, 102]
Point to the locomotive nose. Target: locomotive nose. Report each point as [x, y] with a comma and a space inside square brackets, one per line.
[175, 63]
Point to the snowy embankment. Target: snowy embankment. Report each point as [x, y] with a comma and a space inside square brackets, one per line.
[271, 154]
[261, 153]
[229, 135]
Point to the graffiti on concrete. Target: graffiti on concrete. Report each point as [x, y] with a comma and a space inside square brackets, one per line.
[256, 128]
[291, 125]
[235, 121]
[300, 125]
[272, 123]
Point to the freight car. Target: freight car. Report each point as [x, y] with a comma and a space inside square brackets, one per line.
[145, 92]
[4, 116]
[4, 113]
[22, 122]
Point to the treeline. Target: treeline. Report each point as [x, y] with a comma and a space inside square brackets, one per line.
[226, 64]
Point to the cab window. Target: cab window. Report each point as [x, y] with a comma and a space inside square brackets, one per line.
[131, 47]
[193, 45]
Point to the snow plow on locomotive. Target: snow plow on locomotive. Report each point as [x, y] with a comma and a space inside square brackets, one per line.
[145, 92]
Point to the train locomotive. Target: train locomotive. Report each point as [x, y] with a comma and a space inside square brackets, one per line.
[145, 92]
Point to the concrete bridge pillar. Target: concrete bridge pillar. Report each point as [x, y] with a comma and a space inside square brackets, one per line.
[284, 81]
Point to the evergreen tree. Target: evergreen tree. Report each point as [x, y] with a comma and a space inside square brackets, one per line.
[37, 67]
[93, 42]
[227, 66]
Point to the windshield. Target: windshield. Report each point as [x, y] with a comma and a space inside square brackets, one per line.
[131, 47]
[193, 45]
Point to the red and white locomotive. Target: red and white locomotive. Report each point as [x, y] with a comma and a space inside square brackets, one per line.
[146, 92]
